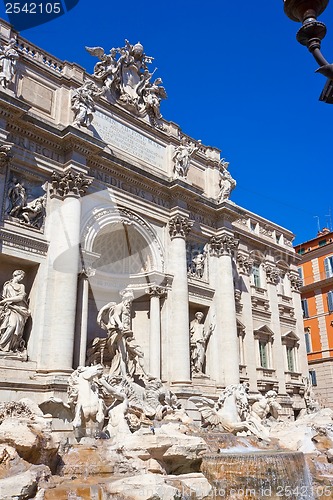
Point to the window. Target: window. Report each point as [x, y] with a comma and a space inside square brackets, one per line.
[256, 275]
[305, 308]
[300, 272]
[328, 263]
[263, 354]
[330, 301]
[313, 377]
[290, 359]
[308, 340]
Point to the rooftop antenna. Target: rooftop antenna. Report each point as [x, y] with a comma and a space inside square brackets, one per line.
[329, 219]
[318, 222]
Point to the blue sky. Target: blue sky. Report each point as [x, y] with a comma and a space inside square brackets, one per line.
[237, 79]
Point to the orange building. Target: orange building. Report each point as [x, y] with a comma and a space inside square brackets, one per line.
[316, 271]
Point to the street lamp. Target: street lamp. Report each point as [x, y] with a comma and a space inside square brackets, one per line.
[311, 34]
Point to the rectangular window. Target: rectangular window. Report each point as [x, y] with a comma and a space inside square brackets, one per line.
[290, 359]
[308, 342]
[313, 377]
[305, 308]
[263, 354]
[256, 275]
[328, 263]
[330, 301]
[300, 272]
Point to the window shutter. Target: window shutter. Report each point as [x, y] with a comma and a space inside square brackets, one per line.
[305, 308]
[328, 266]
[307, 342]
[330, 301]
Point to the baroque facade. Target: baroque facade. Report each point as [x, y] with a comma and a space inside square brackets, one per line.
[316, 272]
[102, 200]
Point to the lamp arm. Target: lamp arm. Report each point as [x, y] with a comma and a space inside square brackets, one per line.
[319, 57]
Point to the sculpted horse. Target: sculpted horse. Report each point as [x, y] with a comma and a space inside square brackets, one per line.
[85, 399]
[230, 413]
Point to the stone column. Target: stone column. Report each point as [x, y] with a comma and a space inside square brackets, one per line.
[272, 280]
[244, 266]
[179, 227]
[295, 285]
[156, 293]
[82, 317]
[225, 339]
[62, 269]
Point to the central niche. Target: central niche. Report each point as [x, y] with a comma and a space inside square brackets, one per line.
[122, 250]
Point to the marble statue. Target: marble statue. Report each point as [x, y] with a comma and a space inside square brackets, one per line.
[83, 105]
[120, 349]
[85, 399]
[8, 60]
[182, 157]
[14, 313]
[266, 405]
[197, 266]
[17, 197]
[153, 93]
[232, 413]
[198, 342]
[226, 182]
[125, 75]
[33, 213]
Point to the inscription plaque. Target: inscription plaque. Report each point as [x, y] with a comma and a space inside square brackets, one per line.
[129, 140]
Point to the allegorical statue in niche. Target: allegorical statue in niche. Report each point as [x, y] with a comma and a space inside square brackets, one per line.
[198, 341]
[14, 313]
[182, 157]
[226, 182]
[83, 105]
[8, 59]
[126, 356]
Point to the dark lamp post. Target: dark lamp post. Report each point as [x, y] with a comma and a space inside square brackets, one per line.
[311, 34]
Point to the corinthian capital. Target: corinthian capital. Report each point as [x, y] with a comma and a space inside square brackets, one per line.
[272, 274]
[222, 245]
[244, 264]
[295, 281]
[69, 183]
[179, 226]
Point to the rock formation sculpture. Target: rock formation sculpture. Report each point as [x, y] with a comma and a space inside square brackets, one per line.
[14, 313]
[8, 60]
[124, 74]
